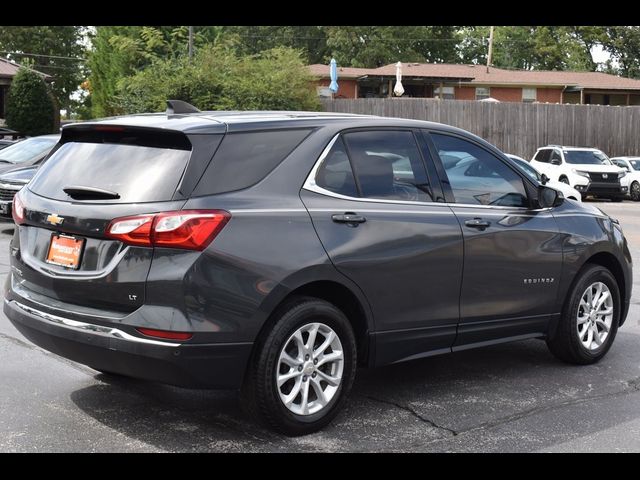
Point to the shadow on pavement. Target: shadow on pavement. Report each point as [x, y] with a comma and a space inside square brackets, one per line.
[429, 404]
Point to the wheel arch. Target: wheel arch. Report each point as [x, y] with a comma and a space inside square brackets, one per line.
[333, 288]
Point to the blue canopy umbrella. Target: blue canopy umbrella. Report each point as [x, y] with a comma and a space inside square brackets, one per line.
[333, 73]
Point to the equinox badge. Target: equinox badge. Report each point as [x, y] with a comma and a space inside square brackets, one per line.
[54, 219]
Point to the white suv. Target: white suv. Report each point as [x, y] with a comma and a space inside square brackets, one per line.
[588, 170]
[632, 179]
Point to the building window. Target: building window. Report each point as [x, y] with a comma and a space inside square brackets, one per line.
[448, 93]
[482, 92]
[529, 95]
[323, 92]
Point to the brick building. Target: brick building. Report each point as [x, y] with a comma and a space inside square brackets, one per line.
[474, 82]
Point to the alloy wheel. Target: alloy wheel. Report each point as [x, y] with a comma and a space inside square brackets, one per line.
[309, 369]
[595, 315]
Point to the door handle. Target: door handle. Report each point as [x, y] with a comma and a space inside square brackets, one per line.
[348, 218]
[478, 223]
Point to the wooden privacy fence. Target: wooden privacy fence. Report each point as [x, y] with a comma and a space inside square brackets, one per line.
[518, 128]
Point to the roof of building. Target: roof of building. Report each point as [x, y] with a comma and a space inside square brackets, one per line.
[344, 72]
[477, 74]
[8, 69]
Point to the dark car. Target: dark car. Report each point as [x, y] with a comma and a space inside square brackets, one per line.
[18, 164]
[273, 252]
[10, 183]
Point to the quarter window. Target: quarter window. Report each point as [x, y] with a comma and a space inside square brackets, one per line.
[476, 176]
[335, 173]
[543, 156]
[388, 165]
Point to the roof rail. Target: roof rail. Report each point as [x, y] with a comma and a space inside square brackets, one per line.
[178, 106]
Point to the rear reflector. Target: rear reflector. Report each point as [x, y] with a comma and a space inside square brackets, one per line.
[188, 229]
[149, 332]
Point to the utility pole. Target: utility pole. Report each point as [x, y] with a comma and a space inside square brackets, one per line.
[191, 43]
[490, 55]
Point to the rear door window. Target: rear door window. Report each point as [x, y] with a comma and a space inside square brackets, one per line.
[136, 173]
[388, 165]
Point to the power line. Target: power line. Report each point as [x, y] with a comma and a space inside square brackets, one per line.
[42, 55]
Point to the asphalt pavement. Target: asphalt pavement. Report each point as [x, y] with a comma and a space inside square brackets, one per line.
[507, 398]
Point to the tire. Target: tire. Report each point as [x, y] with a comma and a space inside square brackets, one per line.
[564, 180]
[634, 191]
[567, 344]
[260, 394]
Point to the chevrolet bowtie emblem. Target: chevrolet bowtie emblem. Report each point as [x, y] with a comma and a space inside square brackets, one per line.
[54, 219]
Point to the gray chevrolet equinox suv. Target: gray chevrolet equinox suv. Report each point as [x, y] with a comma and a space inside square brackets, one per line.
[274, 252]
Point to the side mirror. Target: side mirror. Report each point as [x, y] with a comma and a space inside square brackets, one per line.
[555, 161]
[544, 179]
[549, 197]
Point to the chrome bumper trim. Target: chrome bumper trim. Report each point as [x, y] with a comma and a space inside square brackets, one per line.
[93, 329]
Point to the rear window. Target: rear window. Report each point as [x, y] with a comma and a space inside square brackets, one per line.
[245, 158]
[137, 173]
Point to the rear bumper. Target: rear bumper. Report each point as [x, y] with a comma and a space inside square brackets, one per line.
[109, 348]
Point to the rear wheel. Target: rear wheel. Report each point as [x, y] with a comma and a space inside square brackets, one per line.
[635, 191]
[589, 319]
[302, 371]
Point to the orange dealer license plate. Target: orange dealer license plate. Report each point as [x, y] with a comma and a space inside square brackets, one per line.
[65, 251]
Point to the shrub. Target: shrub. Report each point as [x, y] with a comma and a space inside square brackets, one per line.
[217, 79]
[30, 107]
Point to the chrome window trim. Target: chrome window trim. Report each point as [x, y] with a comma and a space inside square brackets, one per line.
[89, 328]
[311, 186]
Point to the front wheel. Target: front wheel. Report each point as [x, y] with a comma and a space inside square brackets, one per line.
[589, 320]
[302, 371]
[635, 191]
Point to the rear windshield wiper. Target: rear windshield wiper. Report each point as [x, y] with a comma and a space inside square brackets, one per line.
[79, 192]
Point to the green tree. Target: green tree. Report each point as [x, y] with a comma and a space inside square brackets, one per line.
[362, 46]
[218, 78]
[623, 44]
[55, 50]
[532, 47]
[121, 51]
[30, 106]
[310, 40]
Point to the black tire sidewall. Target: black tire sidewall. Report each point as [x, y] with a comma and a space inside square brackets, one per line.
[304, 312]
[635, 182]
[591, 275]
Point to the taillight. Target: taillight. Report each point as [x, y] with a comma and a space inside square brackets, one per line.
[150, 332]
[189, 229]
[132, 230]
[17, 209]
